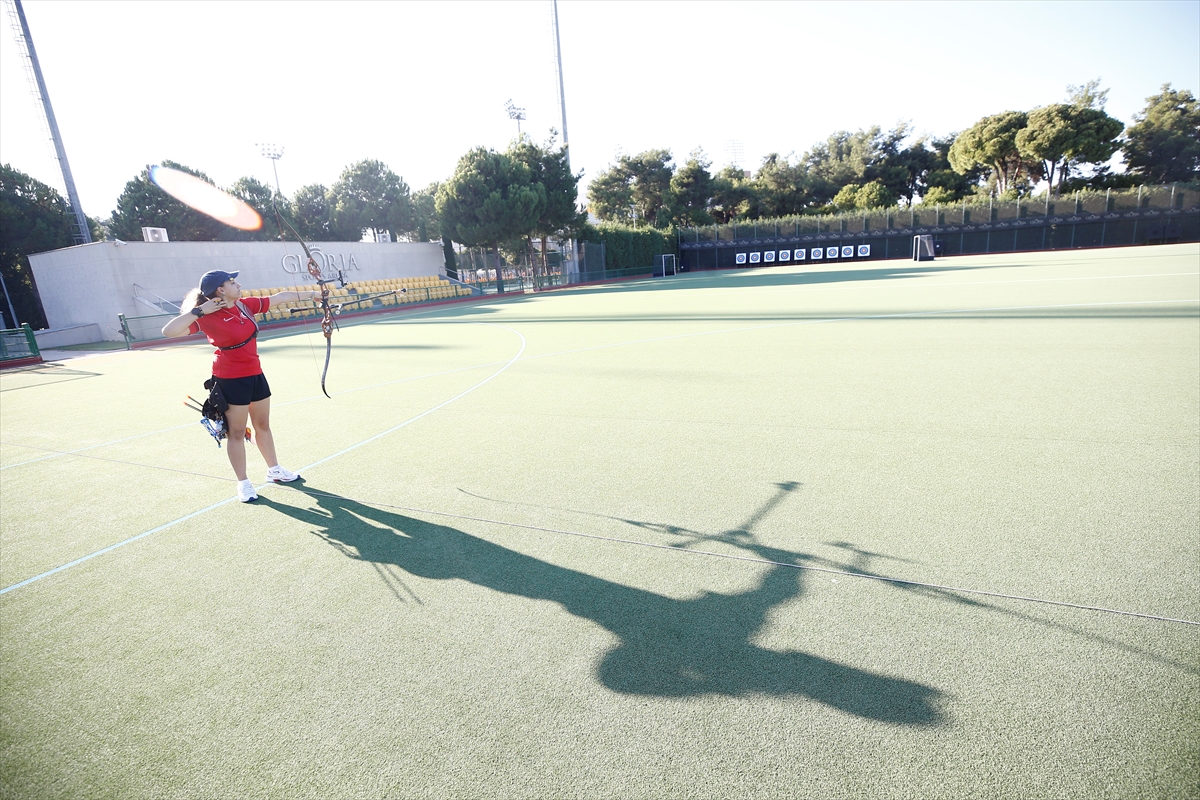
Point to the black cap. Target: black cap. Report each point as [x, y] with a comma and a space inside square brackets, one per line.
[211, 281]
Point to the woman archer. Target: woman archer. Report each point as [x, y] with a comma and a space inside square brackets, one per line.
[218, 309]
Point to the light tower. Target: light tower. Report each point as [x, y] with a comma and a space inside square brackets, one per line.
[562, 105]
[558, 73]
[515, 113]
[274, 152]
[83, 233]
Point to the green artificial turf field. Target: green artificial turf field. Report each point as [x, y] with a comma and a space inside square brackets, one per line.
[629, 541]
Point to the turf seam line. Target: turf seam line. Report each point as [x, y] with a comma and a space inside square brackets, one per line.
[89, 447]
[194, 514]
[903, 315]
[427, 375]
[126, 463]
[508, 364]
[910, 285]
[753, 560]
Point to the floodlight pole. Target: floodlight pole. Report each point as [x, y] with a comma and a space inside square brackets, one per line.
[562, 97]
[84, 236]
[562, 104]
[515, 113]
[274, 152]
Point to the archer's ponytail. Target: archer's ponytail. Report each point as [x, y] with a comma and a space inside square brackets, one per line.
[192, 299]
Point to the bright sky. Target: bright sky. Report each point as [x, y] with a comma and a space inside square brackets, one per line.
[417, 84]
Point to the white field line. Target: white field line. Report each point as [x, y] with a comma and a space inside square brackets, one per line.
[205, 510]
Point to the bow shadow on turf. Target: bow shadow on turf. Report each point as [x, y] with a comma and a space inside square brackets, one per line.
[667, 648]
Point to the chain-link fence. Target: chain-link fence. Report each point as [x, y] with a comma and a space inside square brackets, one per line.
[1143, 215]
[527, 271]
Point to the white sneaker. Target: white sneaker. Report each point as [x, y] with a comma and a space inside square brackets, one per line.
[280, 474]
[246, 491]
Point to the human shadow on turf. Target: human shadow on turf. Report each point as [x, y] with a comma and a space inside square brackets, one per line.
[668, 647]
[859, 562]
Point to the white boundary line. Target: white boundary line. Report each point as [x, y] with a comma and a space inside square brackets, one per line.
[194, 514]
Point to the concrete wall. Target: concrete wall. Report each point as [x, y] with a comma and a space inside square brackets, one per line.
[93, 283]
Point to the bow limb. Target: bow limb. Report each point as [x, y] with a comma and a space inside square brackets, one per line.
[327, 325]
[314, 271]
[328, 349]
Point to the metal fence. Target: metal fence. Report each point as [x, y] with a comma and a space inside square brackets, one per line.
[477, 269]
[613, 274]
[1145, 215]
[18, 343]
[149, 328]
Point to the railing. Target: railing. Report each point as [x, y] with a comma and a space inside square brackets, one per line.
[18, 343]
[515, 281]
[149, 328]
[613, 274]
[159, 303]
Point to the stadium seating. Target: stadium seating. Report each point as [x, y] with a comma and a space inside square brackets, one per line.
[419, 289]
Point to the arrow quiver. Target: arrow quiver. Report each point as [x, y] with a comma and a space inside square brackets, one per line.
[212, 412]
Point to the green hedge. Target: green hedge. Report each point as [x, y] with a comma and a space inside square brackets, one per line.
[627, 247]
[977, 209]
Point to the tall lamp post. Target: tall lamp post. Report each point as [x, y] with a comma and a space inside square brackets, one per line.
[25, 43]
[562, 104]
[273, 152]
[515, 113]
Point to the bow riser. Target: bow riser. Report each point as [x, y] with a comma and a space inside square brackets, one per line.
[327, 312]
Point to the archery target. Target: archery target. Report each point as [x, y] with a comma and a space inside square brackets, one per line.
[755, 258]
[769, 256]
[817, 253]
[741, 258]
[801, 254]
[848, 251]
[785, 255]
[864, 250]
[831, 252]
